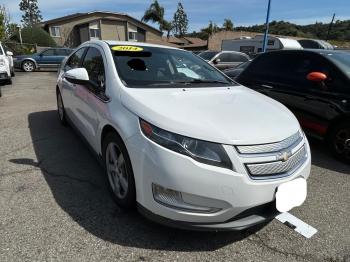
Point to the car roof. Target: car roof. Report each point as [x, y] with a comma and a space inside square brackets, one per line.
[315, 51]
[236, 52]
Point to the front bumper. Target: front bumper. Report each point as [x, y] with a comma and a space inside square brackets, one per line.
[235, 192]
[4, 76]
[248, 218]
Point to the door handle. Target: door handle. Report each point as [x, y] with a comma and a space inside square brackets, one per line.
[267, 86]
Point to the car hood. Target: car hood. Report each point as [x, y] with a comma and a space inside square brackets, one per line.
[235, 115]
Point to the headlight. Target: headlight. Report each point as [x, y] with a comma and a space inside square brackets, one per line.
[201, 151]
[2, 62]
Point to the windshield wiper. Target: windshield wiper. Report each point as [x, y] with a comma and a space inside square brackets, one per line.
[200, 81]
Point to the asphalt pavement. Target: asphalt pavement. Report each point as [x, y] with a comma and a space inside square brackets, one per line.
[55, 206]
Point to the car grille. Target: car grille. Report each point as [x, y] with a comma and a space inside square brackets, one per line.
[270, 148]
[279, 167]
[287, 156]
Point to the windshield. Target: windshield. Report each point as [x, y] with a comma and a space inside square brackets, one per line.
[208, 55]
[162, 67]
[342, 60]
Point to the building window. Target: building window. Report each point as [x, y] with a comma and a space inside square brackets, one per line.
[132, 36]
[55, 31]
[95, 33]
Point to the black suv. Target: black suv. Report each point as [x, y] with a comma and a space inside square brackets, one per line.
[314, 84]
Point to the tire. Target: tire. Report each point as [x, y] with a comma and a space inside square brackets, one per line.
[28, 66]
[339, 141]
[9, 82]
[13, 73]
[124, 193]
[60, 109]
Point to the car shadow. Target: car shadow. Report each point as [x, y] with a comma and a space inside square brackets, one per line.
[322, 158]
[80, 188]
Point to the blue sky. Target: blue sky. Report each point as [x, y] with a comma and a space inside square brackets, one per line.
[242, 12]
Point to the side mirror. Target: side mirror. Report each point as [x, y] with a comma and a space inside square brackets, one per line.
[9, 53]
[77, 76]
[216, 61]
[316, 77]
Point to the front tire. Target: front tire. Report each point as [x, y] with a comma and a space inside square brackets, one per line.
[60, 109]
[119, 171]
[339, 141]
[28, 66]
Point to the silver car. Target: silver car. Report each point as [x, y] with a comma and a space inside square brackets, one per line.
[224, 59]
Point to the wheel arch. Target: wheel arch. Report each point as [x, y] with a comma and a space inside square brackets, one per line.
[106, 130]
[31, 60]
[335, 122]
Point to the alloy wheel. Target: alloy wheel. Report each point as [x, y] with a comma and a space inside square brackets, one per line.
[116, 170]
[28, 66]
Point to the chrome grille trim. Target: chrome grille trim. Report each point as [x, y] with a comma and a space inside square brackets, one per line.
[271, 147]
[279, 168]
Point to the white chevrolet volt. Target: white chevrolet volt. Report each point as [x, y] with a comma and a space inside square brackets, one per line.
[180, 140]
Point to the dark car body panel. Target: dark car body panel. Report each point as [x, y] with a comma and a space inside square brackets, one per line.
[281, 75]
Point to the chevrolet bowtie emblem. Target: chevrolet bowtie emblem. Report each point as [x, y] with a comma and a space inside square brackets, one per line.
[284, 156]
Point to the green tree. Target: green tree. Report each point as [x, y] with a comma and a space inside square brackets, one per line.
[32, 14]
[11, 29]
[4, 22]
[211, 29]
[180, 21]
[155, 14]
[227, 25]
[36, 36]
[2, 27]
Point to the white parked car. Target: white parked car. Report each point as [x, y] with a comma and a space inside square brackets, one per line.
[190, 148]
[6, 67]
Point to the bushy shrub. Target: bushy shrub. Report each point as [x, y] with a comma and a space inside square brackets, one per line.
[35, 35]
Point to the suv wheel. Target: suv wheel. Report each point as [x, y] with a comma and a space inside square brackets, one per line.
[13, 73]
[28, 66]
[60, 109]
[119, 171]
[339, 141]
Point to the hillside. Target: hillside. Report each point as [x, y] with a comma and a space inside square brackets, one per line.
[340, 30]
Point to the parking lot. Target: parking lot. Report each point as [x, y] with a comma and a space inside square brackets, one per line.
[55, 204]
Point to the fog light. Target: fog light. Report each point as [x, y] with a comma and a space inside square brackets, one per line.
[173, 199]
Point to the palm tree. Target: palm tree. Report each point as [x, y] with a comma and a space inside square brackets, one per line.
[210, 30]
[155, 13]
[228, 25]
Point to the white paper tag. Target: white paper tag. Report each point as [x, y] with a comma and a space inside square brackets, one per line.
[291, 194]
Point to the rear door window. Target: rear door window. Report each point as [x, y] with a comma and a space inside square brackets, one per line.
[61, 52]
[49, 52]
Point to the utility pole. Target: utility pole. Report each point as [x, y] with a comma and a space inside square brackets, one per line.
[266, 27]
[20, 34]
[330, 27]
